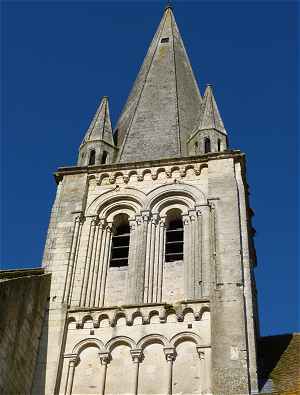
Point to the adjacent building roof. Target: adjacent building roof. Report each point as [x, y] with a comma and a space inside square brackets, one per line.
[164, 106]
[279, 357]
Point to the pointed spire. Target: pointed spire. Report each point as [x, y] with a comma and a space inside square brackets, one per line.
[100, 127]
[211, 118]
[98, 145]
[164, 104]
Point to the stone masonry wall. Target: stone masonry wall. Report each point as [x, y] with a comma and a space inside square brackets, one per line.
[23, 301]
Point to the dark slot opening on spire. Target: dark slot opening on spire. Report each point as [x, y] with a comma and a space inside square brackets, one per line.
[164, 40]
[115, 136]
[92, 158]
[174, 237]
[219, 144]
[207, 147]
[120, 241]
[104, 157]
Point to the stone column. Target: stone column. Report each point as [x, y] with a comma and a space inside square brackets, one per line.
[187, 254]
[131, 292]
[142, 231]
[73, 362]
[97, 265]
[137, 357]
[203, 372]
[104, 359]
[170, 354]
[152, 249]
[206, 250]
[88, 259]
[198, 255]
[159, 258]
[106, 246]
[72, 258]
[137, 257]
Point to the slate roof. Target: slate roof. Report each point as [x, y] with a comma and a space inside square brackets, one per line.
[164, 106]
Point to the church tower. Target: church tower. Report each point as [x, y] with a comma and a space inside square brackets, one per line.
[150, 247]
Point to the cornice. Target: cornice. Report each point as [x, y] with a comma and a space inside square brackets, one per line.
[68, 170]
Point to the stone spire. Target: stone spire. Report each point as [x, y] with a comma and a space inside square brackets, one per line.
[98, 146]
[164, 105]
[211, 118]
[210, 135]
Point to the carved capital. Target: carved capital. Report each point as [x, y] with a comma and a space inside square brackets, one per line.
[104, 357]
[73, 359]
[186, 219]
[145, 215]
[201, 353]
[137, 355]
[170, 353]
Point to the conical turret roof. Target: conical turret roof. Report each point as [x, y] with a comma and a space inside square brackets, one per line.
[100, 127]
[164, 105]
[211, 118]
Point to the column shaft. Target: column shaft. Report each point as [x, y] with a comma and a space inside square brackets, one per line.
[97, 265]
[71, 260]
[87, 266]
[106, 260]
[70, 378]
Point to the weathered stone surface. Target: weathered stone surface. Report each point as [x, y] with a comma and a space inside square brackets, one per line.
[23, 302]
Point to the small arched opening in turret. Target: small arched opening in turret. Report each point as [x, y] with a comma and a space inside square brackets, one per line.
[104, 157]
[120, 241]
[174, 236]
[207, 147]
[196, 147]
[92, 158]
[219, 145]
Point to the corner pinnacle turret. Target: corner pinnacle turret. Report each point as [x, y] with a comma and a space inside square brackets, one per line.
[210, 134]
[98, 146]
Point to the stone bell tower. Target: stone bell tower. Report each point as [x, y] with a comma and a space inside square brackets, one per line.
[150, 247]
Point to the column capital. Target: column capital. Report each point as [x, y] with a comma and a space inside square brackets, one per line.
[145, 215]
[162, 221]
[170, 353]
[104, 357]
[137, 355]
[201, 352]
[73, 359]
[192, 214]
[186, 219]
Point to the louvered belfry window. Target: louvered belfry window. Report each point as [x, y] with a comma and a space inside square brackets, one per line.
[120, 241]
[174, 237]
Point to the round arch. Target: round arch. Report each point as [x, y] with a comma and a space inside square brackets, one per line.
[88, 342]
[183, 336]
[150, 339]
[114, 342]
[188, 194]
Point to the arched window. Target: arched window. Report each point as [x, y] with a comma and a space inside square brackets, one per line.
[219, 144]
[174, 236]
[92, 157]
[120, 241]
[207, 147]
[104, 157]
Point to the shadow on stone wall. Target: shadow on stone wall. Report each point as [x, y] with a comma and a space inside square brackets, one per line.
[23, 302]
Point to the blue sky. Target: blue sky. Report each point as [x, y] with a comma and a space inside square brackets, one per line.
[60, 58]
